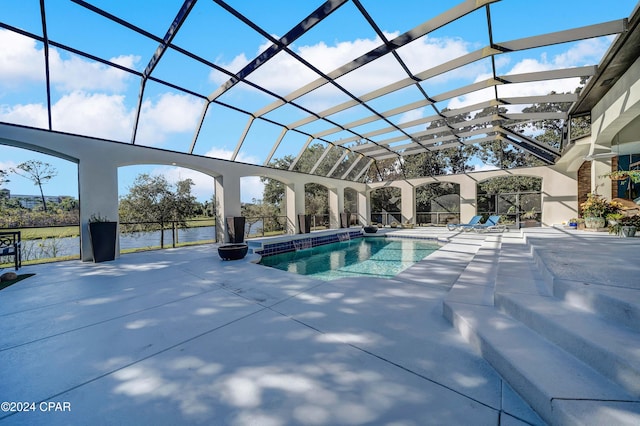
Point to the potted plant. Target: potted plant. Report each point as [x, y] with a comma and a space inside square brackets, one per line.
[596, 208]
[614, 218]
[103, 234]
[626, 226]
[530, 217]
[624, 174]
[573, 223]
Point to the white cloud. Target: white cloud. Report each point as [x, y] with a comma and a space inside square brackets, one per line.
[107, 116]
[225, 154]
[96, 114]
[76, 73]
[429, 52]
[414, 114]
[204, 184]
[582, 53]
[169, 113]
[34, 115]
[250, 186]
[8, 165]
[419, 55]
[22, 63]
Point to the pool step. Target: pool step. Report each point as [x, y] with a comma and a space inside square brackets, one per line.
[609, 348]
[615, 303]
[572, 365]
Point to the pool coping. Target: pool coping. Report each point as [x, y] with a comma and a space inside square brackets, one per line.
[269, 246]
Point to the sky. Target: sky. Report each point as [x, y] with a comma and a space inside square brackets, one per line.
[92, 99]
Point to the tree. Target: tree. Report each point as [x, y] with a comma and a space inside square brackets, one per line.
[489, 189]
[3, 177]
[257, 211]
[273, 189]
[37, 172]
[151, 203]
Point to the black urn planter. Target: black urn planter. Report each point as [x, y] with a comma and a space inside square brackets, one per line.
[304, 222]
[344, 220]
[103, 240]
[235, 228]
[370, 229]
[233, 251]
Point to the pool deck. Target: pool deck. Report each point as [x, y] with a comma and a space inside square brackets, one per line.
[180, 337]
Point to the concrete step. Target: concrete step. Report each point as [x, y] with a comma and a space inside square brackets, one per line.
[555, 383]
[618, 304]
[608, 347]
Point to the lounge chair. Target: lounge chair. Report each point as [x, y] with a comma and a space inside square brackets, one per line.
[491, 225]
[465, 226]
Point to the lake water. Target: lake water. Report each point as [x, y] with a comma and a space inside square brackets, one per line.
[70, 246]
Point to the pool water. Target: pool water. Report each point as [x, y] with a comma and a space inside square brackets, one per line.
[371, 257]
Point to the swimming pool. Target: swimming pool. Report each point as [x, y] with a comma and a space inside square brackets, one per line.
[371, 257]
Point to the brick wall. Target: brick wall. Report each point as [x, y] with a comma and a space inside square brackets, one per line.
[584, 183]
[614, 183]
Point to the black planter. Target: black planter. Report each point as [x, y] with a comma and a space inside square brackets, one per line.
[344, 220]
[370, 229]
[235, 228]
[103, 240]
[233, 251]
[304, 222]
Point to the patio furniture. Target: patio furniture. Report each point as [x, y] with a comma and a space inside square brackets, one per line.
[491, 225]
[10, 243]
[465, 226]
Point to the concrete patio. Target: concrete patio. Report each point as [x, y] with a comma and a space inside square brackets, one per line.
[180, 337]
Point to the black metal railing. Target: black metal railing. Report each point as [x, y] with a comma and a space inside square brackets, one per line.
[436, 218]
[146, 235]
[262, 226]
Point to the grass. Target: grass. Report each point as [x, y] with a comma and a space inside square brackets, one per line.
[74, 230]
[47, 232]
[5, 284]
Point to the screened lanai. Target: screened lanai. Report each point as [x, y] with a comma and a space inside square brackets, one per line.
[341, 87]
[347, 93]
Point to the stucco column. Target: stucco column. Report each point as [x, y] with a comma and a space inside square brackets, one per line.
[468, 203]
[364, 207]
[601, 185]
[336, 206]
[294, 196]
[227, 192]
[98, 195]
[408, 206]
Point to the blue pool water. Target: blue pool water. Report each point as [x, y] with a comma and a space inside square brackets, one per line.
[371, 257]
